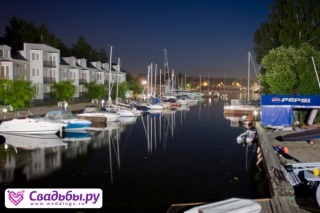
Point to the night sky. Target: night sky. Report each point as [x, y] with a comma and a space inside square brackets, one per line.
[202, 37]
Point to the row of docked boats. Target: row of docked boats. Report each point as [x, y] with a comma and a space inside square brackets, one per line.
[58, 121]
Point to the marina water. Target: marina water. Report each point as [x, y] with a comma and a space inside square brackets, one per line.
[147, 164]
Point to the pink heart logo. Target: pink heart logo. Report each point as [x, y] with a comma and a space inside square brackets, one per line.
[16, 198]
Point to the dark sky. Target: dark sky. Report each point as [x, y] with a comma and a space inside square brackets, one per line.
[201, 36]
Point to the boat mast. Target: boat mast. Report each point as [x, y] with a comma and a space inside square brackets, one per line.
[248, 89]
[166, 73]
[208, 83]
[118, 73]
[109, 87]
[200, 83]
[160, 86]
[315, 69]
[155, 80]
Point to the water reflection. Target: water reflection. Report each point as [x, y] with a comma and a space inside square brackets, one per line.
[129, 159]
[36, 156]
[78, 143]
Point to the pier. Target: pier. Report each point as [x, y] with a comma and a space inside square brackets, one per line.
[284, 197]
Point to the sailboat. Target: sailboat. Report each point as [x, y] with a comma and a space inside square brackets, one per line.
[238, 107]
[155, 103]
[121, 110]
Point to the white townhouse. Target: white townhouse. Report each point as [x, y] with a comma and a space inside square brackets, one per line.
[42, 65]
[12, 64]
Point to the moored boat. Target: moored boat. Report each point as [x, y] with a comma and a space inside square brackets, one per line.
[73, 123]
[229, 205]
[94, 114]
[247, 137]
[24, 122]
[236, 108]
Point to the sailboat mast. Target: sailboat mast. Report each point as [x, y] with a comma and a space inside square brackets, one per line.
[167, 77]
[109, 87]
[248, 89]
[315, 69]
[160, 86]
[200, 83]
[118, 73]
[155, 80]
[208, 83]
[151, 87]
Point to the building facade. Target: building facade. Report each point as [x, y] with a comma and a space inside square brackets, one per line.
[42, 65]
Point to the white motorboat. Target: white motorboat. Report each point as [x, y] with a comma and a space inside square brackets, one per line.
[237, 108]
[31, 142]
[24, 122]
[122, 112]
[235, 205]
[91, 113]
[73, 123]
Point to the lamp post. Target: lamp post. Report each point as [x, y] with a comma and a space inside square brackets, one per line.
[5, 113]
[255, 113]
[65, 106]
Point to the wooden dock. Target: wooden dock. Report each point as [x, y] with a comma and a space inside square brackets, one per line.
[285, 197]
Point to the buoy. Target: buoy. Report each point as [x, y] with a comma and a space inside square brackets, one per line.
[284, 150]
[316, 171]
[250, 118]
[281, 149]
[278, 148]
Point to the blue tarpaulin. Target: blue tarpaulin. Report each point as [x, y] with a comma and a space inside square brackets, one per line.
[276, 116]
[276, 110]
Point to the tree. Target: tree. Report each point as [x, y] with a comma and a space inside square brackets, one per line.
[290, 70]
[18, 93]
[18, 32]
[62, 91]
[94, 90]
[291, 23]
[82, 49]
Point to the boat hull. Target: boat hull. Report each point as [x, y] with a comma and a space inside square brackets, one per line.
[235, 205]
[239, 110]
[31, 126]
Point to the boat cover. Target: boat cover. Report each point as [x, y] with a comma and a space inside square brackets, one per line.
[232, 205]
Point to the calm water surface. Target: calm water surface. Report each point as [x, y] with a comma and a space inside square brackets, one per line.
[148, 164]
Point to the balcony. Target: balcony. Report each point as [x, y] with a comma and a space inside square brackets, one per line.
[4, 77]
[83, 81]
[48, 80]
[82, 94]
[49, 63]
[21, 77]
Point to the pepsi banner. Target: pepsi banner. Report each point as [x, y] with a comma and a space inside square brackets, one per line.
[297, 101]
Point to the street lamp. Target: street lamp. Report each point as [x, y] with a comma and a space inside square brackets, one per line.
[5, 113]
[65, 106]
[255, 113]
